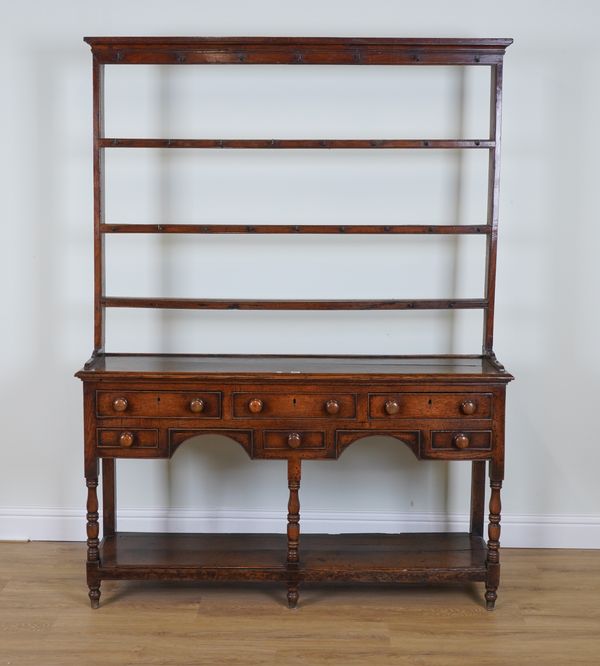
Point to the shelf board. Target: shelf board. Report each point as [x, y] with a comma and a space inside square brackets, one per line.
[190, 366]
[428, 229]
[296, 144]
[194, 556]
[439, 557]
[290, 304]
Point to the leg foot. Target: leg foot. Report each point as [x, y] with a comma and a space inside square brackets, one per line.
[94, 595]
[490, 599]
[292, 596]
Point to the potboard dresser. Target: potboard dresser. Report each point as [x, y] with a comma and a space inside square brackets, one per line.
[295, 408]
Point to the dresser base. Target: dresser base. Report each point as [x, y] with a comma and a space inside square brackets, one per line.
[293, 409]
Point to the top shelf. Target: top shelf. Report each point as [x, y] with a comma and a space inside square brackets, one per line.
[286, 367]
[296, 50]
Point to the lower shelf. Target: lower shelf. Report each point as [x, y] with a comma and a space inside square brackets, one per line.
[323, 557]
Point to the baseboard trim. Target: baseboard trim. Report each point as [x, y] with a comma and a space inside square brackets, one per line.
[518, 531]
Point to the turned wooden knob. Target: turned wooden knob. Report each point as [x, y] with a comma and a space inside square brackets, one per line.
[332, 407]
[461, 441]
[120, 404]
[294, 440]
[126, 439]
[196, 405]
[255, 405]
[392, 407]
[468, 407]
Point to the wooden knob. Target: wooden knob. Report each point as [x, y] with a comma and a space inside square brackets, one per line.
[332, 407]
[120, 404]
[468, 407]
[392, 407]
[196, 405]
[461, 441]
[126, 439]
[255, 405]
[294, 440]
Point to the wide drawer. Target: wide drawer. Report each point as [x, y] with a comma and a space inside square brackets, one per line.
[430, 405]
[127, 440]
[460, 440]
[158, 404]
[294, 405]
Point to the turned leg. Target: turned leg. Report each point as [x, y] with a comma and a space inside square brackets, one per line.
[293, 530]
[93, 554]
[493, 557]
[108, 497]
[477, 497]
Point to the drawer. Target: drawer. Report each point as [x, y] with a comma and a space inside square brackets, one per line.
[430, 406]
[127, 440]
[294, 405]
[158, 404]
[286, 440]
[460, 440]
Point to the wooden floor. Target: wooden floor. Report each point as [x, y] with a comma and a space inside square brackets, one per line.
[548, 612]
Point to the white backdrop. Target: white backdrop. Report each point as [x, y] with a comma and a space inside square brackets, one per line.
[548, 277]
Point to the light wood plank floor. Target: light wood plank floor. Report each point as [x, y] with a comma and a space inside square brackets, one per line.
[548, 612]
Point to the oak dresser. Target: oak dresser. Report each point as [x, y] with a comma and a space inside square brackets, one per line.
[294, 408]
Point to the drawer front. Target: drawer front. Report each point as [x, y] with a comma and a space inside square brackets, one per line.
[295, 406]
[159, 404]
[127, 440]
[286, 440]
[461, 440]
[430, 406]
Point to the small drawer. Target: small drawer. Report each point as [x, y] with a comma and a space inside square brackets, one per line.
[158, 404]
[430, 406]
[460, 440]
[294, 405]
[127, 440]
[286, 440]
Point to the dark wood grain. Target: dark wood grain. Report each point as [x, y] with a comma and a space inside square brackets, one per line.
[299, 144]
[159, 404]
[342, 557]
[99, 204]
[493, 554]
[109, 497]
[437, 405]
[295, 408]
[259, 229]
[293, 528]
[477, 497]
[492, 205]
[296, 304]
[93, 531]
[297, 50]
[127, 438]
[260, 367]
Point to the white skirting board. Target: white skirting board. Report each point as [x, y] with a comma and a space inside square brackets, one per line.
[518, 531]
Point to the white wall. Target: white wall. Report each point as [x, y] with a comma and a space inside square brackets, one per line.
[548, 277]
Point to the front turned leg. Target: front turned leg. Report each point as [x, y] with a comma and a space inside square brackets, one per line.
[93, 553]
[492, 579]
[293, 530]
